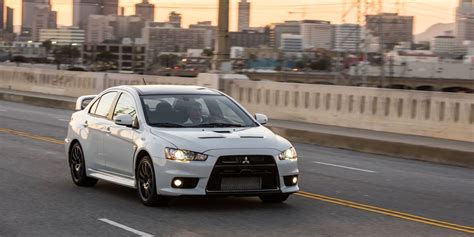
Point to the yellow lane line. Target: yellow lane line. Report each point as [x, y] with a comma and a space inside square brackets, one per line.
[360, 206]
[385, 210]
[405, 216]
[32, 136]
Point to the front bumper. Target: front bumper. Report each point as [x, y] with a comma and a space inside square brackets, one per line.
[167, 170]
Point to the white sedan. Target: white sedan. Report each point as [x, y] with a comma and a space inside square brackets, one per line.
[178, 140]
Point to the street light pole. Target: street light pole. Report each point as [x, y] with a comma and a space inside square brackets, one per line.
[222, 43]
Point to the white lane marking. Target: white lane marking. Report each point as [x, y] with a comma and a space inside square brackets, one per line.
[137, 232]
[65, 120]
[345, 167]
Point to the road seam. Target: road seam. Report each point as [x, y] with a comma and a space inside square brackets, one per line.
[124, 227]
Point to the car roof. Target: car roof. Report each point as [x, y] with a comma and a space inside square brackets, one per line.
[170, 89]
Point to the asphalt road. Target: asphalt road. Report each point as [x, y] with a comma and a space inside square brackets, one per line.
[343, 194]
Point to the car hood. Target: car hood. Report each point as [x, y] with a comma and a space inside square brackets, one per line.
[205, 139]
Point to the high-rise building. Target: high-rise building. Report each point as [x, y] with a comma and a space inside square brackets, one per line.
[109, 7]
[145, 10]
[347, 37]
[391, 28]
[112, 27]
[316, 34]
[444, 45]
[63, 35]
[9, 21]
[278, 29]
[291, 43]
[465, 21]
[172, 39]
[43, 18]
[249, 39]
[99, 29]
[175, 19]
[244, 15]
[210, 36]
[2, 16]
[82, 9]
[127, 27]
[27, 14]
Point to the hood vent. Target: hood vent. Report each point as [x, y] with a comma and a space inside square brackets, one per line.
[251, 136]
[211, 137]
[224, 131]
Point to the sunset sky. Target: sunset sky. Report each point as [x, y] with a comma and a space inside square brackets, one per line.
[426, 12]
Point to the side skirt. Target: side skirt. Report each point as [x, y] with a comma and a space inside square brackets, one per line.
[120, 180]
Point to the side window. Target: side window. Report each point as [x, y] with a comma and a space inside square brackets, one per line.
[125, 105]
[105, 103]
[94, 107]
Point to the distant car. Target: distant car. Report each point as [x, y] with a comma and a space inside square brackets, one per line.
[178, 140]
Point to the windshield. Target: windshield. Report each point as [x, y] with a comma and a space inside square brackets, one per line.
[194, 111]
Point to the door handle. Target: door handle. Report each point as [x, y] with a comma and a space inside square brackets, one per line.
[86, 124]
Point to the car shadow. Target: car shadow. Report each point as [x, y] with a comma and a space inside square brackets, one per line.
[191, 203]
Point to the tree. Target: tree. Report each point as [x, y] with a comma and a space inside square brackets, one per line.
[300, 64]
[168, 60]
[66, 53]
[208, 52]
[323, 64]
[48, 45]
[19, 59]
[105, 61]
[105, 57]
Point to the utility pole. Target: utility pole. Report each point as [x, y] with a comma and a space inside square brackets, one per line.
[382, 53]
[222, 54]
[366, 44]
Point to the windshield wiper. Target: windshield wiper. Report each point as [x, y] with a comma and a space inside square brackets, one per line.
[167, 125]
[219, 125]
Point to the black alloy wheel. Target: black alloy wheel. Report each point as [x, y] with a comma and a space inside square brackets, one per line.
[146, 184]
[77, 166]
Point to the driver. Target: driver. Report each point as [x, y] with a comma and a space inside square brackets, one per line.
[194, 112]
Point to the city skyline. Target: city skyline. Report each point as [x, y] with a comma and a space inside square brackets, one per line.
[426, 12]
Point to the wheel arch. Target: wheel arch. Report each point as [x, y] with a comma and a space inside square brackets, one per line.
[140, 154]
[71, 144]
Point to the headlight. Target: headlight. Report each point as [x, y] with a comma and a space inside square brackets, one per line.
[289, 154]
[183, 155]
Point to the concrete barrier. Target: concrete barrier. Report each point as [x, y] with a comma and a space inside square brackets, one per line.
[431, 114]
[75, 84]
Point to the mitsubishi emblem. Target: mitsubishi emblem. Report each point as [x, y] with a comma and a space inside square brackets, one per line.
[246, 161]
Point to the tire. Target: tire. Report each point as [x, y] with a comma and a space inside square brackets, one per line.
[274, 198]
[146, 184]
[77, 166]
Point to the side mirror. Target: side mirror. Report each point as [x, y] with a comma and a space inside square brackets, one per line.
[261, 118]
[124, 120]
[83, 101]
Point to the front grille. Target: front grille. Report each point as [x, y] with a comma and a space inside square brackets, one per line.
[244, 173]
